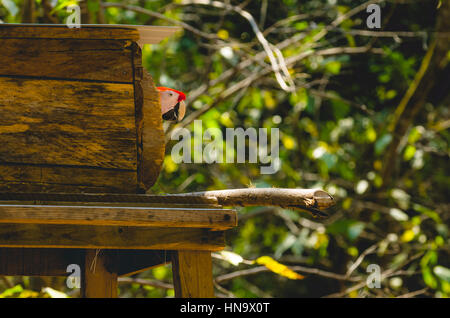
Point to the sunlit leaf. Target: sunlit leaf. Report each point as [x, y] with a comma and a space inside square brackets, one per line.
[278, 268]
[223, 34]
[442, 272]
[231, 257]
[301, 25]
[407, 236]
[169, 165]
[398, 214]
[11, 291]
[409, 152]
[54, 293]
[10, 6]
[288, 142]
[428, 278]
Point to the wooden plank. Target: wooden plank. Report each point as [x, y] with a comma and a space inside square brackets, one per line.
[153, 138]
[115, 204]
[139, 113]
[52, 187]
[23, 178]
[100, 60]
[148, 34]
[63, 32]
[38, 261]
[67, 123]
[98, 279]
[168, 199]
[155, 34]
[150, 133]
[109, 237]
[217, 219]
[54, 261]
[192, 274]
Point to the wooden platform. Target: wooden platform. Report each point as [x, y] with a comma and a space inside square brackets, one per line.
[41, 234]
[78, 111]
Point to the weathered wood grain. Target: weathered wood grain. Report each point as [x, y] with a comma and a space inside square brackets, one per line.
[54, 261]
[25, 178]
[192, 274]
[98, 280]
[100, 60]
[76, 99]
[151, 141]
[153, 133]
[139, 113]
[112, 199]
[21, 187]
[67, 123]
[109, 237]
[63, 32]
[38, 261]
[217, 219]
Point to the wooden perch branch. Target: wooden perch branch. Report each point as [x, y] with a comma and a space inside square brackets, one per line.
[309, 200]
[305, 200]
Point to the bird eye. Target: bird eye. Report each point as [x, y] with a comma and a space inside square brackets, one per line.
[170, 94]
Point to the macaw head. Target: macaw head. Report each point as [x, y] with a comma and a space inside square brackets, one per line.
[173, 106]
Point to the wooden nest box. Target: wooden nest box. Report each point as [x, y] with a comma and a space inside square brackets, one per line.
[78, 112]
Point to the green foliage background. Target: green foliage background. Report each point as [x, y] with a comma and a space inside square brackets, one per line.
[334, 135]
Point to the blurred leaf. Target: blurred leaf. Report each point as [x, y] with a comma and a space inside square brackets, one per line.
[409, 152]
[398, 214]
[66, 3]
[351, 228]
[334, 67]
[230, 257]
[430, 213]
[161, 272]
[10, 6]
[382, 143]
[340, 108]
[223, 34]
[442, 272]
[286, 244]
[169, 165]
[414, 135]
[288, 142]
[408, 236]
[278, 268]
[54, 293]
[428, 278]
[301, 25]
[11, 291]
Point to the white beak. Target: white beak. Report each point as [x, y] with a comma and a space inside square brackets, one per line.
[181, 110]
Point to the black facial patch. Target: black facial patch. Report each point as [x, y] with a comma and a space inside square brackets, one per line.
[172, 114]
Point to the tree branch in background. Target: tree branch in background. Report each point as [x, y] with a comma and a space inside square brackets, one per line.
[276, 57]
[145, 282]
[417, 94]
[29, 14]
[246, 82]
[301, 269]
[48, 17]
[160, 16]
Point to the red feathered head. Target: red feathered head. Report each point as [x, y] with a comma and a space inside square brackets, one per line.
[181, 95]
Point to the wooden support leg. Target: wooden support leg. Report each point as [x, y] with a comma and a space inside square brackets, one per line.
[98, 280]
[192, 274]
